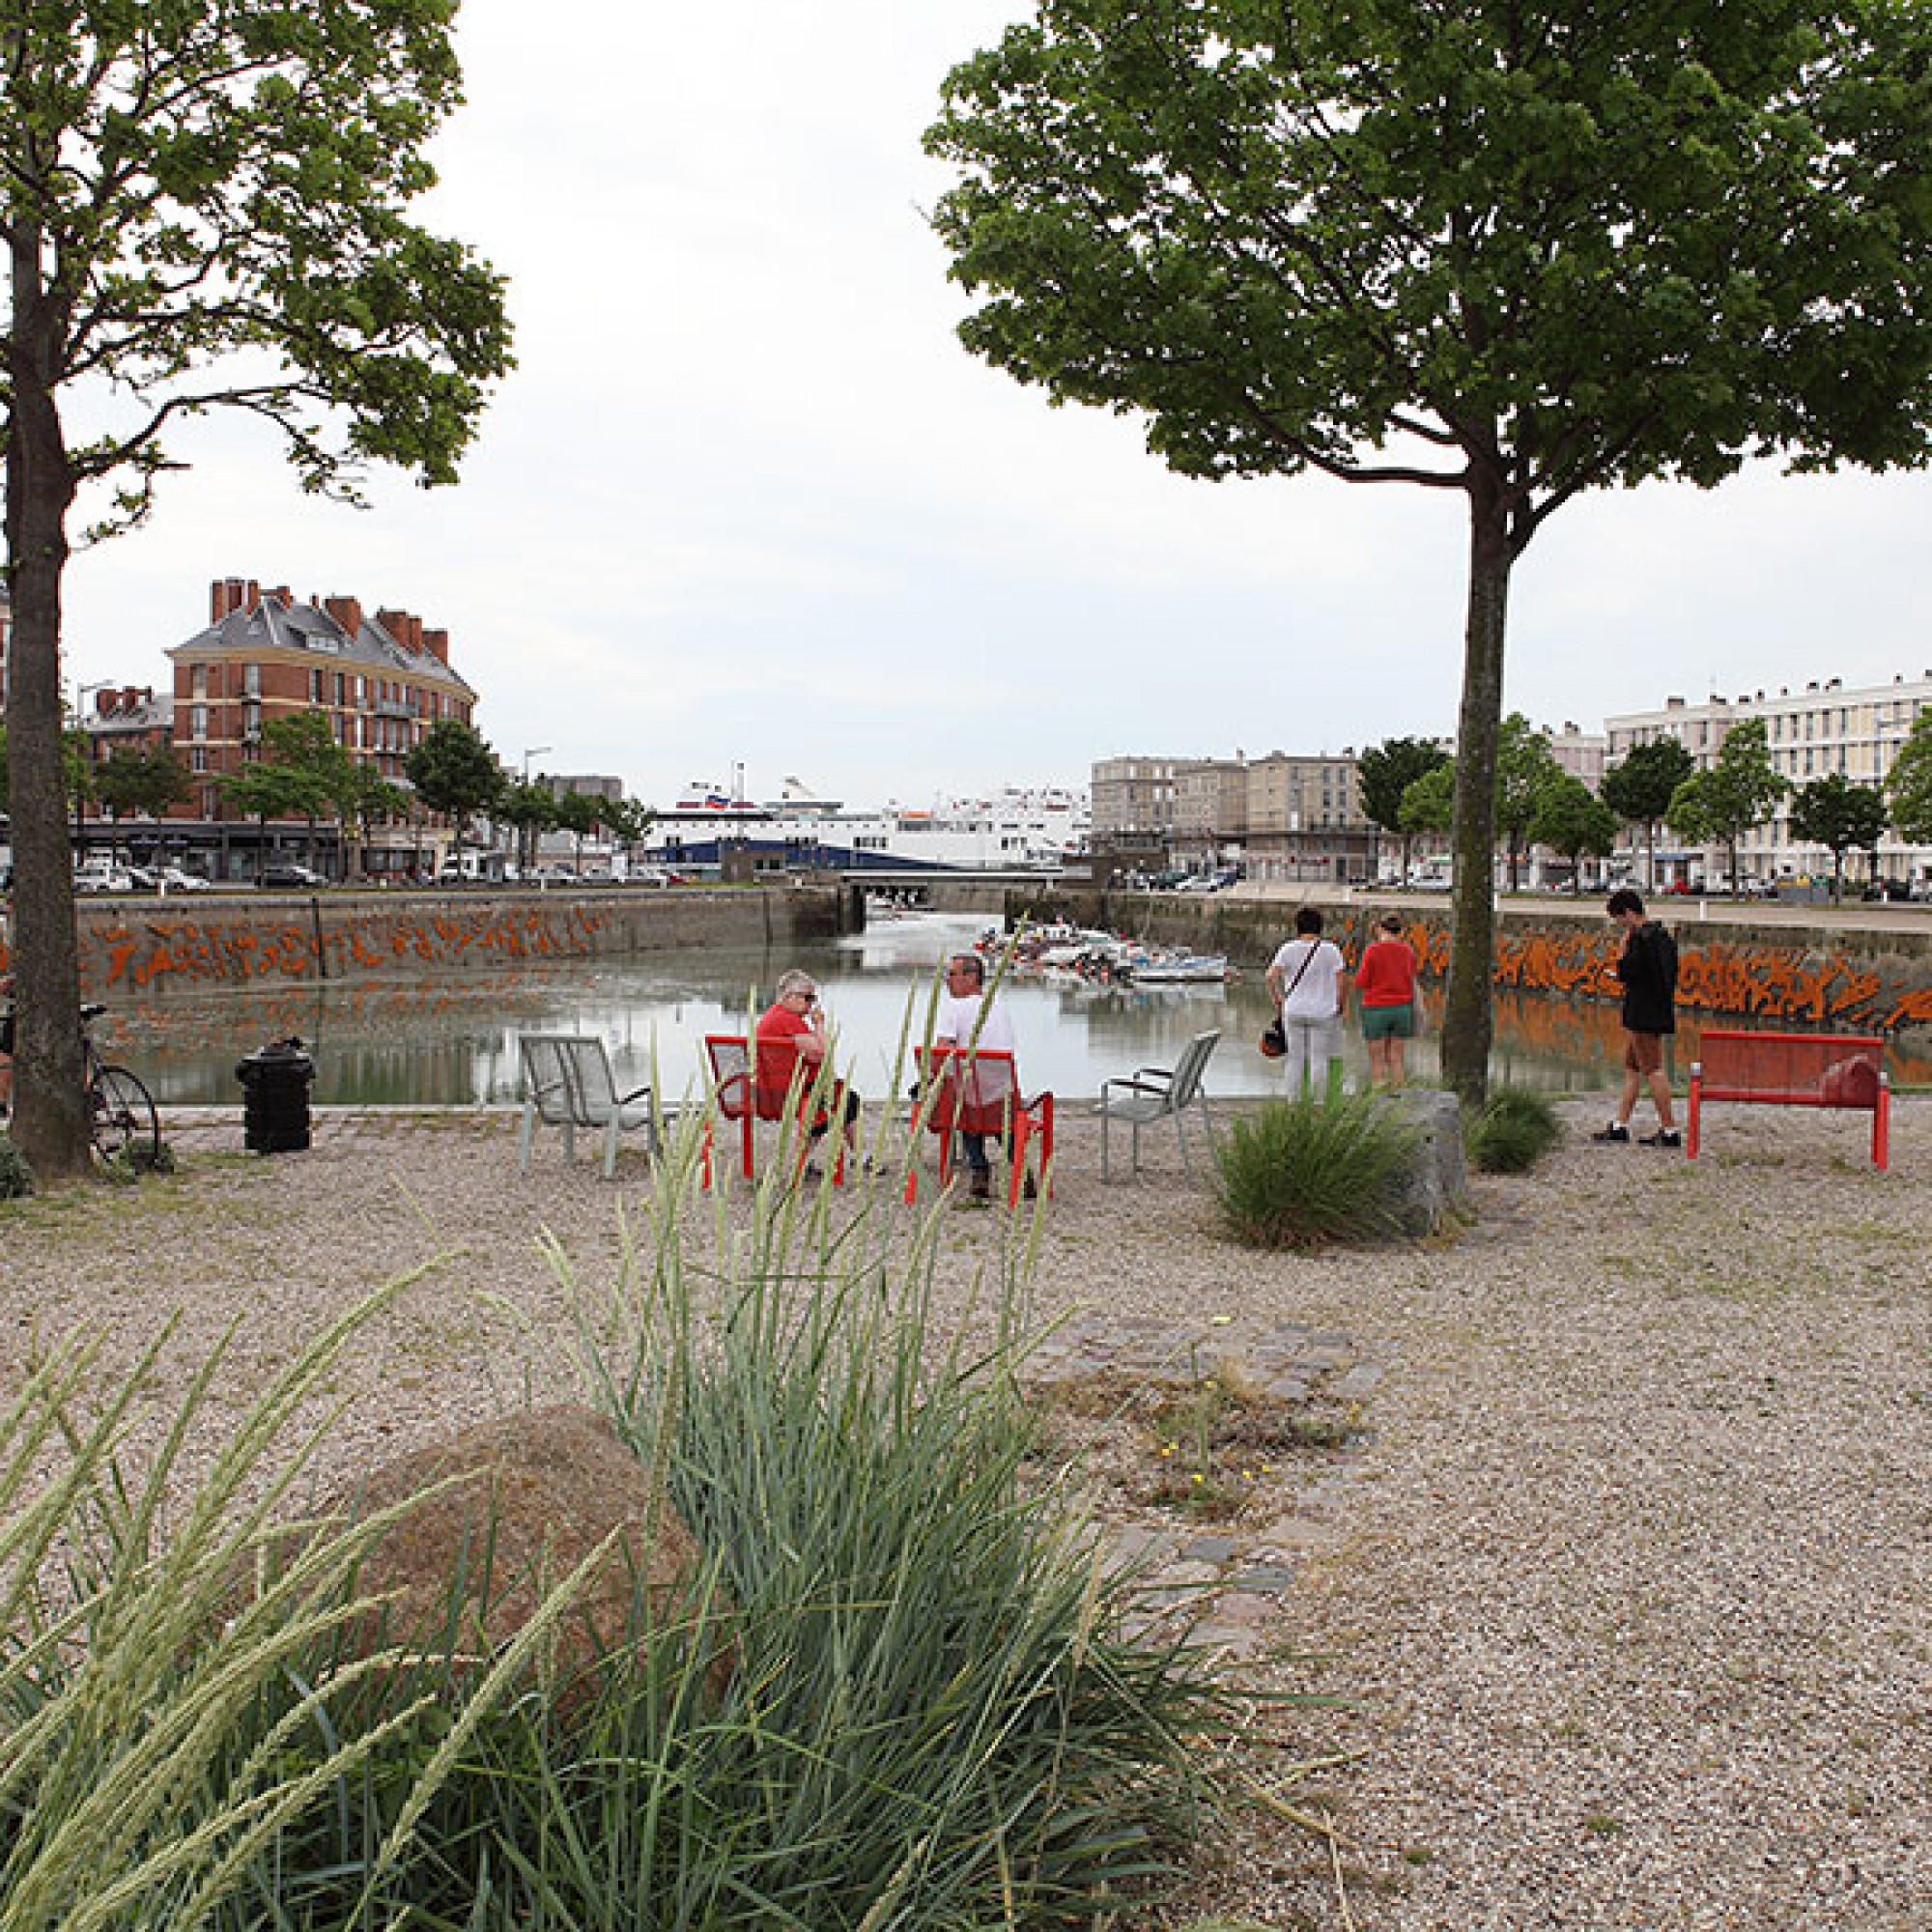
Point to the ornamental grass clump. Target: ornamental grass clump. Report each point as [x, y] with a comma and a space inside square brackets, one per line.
[1309, 1172]
[16, 1178]
[938, 1719]
[933, 1716]
[1512, 1132]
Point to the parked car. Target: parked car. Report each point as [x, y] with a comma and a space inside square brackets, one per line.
[290, 877]
[175, 879]
[647, 875]
[100, 875]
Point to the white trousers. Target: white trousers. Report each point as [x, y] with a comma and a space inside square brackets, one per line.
[1312, 1044]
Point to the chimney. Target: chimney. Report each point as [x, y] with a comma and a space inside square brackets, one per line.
[282, 595]
[404, 628]
[436, 644]
[251, 597]
[347, 612]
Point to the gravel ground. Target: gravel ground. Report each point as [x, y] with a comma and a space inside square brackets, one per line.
[1625, 1589]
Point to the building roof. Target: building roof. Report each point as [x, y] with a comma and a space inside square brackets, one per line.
[336, 630]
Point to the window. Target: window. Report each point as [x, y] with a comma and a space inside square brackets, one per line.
[251, 680]
[197, 722]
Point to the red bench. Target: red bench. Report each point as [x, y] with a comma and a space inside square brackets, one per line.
[1794, 1070]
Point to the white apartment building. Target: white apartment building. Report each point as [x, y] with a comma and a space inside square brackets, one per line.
[1822, 728]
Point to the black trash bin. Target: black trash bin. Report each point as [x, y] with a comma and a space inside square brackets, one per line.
[274, 1098]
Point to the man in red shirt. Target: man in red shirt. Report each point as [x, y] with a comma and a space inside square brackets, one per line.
[791, 1044]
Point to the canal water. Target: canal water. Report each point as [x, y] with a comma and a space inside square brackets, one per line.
[451, 1040]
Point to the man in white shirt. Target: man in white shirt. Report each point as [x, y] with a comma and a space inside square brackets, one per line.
[968, 1018]
[1309, 980]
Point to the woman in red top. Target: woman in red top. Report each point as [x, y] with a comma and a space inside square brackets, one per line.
[1386, 983]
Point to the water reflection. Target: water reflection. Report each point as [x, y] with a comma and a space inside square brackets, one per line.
[451, 1041]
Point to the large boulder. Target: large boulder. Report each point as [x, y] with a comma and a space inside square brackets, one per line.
[504, 1511]
[1433, 1189]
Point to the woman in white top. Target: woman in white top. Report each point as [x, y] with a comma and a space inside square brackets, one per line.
[1309, 980]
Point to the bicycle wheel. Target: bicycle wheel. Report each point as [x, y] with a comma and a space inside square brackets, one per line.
[121, 1118]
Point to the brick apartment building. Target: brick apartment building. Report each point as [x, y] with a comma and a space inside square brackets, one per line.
[381, 681]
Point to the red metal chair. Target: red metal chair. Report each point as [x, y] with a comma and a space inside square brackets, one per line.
[978, 1091]
[738, 1095]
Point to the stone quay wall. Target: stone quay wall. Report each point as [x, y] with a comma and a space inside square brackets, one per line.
[146, 945]
[1823, 967]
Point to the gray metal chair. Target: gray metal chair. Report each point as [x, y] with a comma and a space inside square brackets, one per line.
[1159, 1094]
[568, 1084]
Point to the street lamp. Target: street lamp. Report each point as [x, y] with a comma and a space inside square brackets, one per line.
[527, 836]
[81, 694]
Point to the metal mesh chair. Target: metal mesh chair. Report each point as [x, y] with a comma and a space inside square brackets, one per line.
[1158, 1093]
[568, 1084]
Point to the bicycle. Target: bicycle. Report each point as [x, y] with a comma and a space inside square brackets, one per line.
[122, 1118]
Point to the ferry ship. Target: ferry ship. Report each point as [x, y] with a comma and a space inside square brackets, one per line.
[1016, 829]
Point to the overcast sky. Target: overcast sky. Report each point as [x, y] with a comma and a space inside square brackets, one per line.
[745, 502]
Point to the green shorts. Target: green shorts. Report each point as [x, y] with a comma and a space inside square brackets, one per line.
[1389, 1022]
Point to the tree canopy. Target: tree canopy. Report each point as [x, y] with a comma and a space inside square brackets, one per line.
[1509, 253]
[1741, 790]
[1385, 771]
[146, 780]
[204, 206]
[1908, 784]
[1570, 818]
[1639, 790]
[1835, 812]
[1526, 769]
[454, 771]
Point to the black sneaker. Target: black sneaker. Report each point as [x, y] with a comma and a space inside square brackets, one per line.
[1664, 1137]
[1613, 1132]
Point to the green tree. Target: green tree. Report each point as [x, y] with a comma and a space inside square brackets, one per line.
[1639, 790]
[1508, 253]
[1908, 784]
[1841, 817]
[580, 814]
[1526, 769]
[267, 790]
[454, 771]
[1570, 819]
[1719, 805]
[148, 780]
[1429, 803]
[367, 799]
[203, 207]
[529, 806]
[324, 777]
[1385, 771]
[629, 819]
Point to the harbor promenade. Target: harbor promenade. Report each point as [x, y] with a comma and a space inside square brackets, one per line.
[1614, 1556]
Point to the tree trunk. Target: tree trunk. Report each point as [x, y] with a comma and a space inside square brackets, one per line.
[49, 1123]
[1467, 1019]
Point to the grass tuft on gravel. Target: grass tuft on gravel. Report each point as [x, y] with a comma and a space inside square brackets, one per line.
[1311, 1172]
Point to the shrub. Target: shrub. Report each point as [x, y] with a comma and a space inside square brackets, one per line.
[1512, 1132]
[16, 1178]
[1302, 1172]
